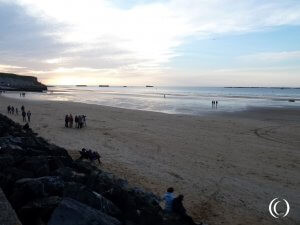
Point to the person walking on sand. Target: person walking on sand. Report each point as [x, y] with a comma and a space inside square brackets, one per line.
[8, 109]
[216, 104]
[12, 110]
[66, 120]
[28, 115]
[71, 121]
[24, 116]
[168, 199]
[22, 108]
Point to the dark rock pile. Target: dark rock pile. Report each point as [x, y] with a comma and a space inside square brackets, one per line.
[45, 186]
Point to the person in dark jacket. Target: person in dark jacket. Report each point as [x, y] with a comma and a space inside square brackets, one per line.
[24, 116]
[178, 208]
[66, 120]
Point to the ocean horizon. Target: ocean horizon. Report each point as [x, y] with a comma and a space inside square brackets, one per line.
[174, 100]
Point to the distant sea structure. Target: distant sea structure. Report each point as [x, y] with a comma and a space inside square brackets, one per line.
[124, 86]
[149, 86]
[81, 85]
[103, 85]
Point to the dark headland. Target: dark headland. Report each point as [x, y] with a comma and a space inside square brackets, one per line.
[44, 185]
[14, 82]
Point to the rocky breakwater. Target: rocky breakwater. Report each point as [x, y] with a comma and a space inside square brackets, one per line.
[45, 186]
[13, 82]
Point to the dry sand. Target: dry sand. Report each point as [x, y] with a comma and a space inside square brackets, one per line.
[229, 166]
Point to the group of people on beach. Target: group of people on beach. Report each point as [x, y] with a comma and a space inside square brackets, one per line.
[80, 121]
[15, 111]
[214, 104]
[174, 205]
[90, 155]
[22, 94]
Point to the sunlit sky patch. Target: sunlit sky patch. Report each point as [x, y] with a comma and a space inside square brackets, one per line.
[161, 42]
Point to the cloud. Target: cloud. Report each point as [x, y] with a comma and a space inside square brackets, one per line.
[272, 57]
[46, 35]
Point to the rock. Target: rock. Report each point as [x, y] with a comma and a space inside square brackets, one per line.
[7, 215]
[93, 199]
[6, 161]
[27, 189]
[69, 175]
[72, 212]
[43, 208]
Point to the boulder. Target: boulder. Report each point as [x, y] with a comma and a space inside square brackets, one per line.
[72, 212]
[91, 198]
[33, 188]
[69, 175]
[42, 208]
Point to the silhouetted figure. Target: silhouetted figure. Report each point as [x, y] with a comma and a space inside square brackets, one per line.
[28, 115]
[90, 155]
[71, 120]
[17, 111]
[84, 120]
[66, 120]
[24, 116]
[216, 104]
[22, 108]
[168, 199]
[8, 109]
[76, 121]
[179, 209]
[80, 122]
[12, 110]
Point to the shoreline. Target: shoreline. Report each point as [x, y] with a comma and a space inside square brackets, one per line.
[232, 172]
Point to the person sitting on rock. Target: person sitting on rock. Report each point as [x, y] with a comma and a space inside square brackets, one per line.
[178, 208]
[168, 199]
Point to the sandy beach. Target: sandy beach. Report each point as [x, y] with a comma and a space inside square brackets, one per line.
[229, 166]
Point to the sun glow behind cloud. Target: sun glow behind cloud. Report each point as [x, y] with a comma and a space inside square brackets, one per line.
[105, 42]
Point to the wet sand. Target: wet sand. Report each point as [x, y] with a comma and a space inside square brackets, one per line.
[229, 166]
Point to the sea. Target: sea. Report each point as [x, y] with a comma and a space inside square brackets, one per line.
[173, 100]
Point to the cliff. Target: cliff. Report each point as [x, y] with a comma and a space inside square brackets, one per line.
[14, 82]
[45, 185]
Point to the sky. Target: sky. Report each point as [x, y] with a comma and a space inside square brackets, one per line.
[158, 42]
